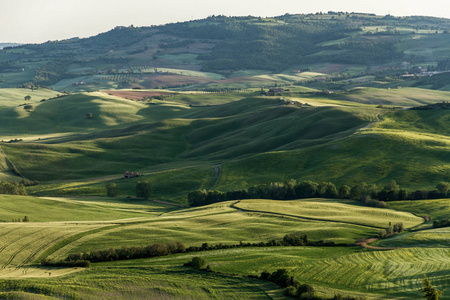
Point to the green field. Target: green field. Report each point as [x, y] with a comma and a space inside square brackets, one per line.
[187, 106]
[327, 210]
[84, 224]
[426, 238]
[16, 97]
[253, 139]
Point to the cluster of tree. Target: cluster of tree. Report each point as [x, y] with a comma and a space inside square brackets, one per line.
[28, 107]
[25, 219]
[129, 252]
[429, 291]
[396, 228]
[291, 239]
[50, 73]
[368, 194]
[293, 287]
[244, 44]
[198, 263]
[143, 190]
[10, 66]
[366, 52]
[66, 264]
[118, 37]
[13, 141]
[12, 188]
[442, 223]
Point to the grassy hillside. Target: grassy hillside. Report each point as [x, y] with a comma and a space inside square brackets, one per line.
[86, 224]
[253, 140]
[330, 211]
[427, 238]
[15, 97]
[244, 127]
[436, 209]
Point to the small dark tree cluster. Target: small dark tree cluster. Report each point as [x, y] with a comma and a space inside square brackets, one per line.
[66, 264]
[143, 190]
[25, 219]
[198, 263]
[129, 252]
[396, 228]
[429, 291]
[111, 190]
[27, 182]
[12, 188]
[442, 223]
[294, 289]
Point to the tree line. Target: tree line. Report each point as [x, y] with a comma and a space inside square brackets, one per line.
[442, 223]
[161, 249]
[143, 190]
[368, 194]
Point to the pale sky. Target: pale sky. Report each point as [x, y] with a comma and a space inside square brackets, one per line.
[37, 21]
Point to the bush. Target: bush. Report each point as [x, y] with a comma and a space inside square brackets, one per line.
[143, 190]
[111, 190]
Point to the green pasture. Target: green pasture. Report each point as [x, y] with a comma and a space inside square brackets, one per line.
[177, 141]
[329, 210]
[221, 223]
[376, 274]
[431, 238]
[60, 226]
[15, 97]
[406, 96]
[146, 282]
[36, 209]
[435, 209]
[208, 133]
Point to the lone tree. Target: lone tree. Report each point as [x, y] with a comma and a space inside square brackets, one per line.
[28, 107]
[143, 190]
[111, 190]
[27, 98]
[198, 263]
[429, 291]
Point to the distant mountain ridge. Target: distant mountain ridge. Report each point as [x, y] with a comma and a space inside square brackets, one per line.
[4, 45]
[225, 45]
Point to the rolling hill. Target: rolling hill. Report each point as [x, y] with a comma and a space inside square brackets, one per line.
[224, 104]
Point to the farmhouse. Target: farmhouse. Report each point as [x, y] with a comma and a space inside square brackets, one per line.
[128, 174]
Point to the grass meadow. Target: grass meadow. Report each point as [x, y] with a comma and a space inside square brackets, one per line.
[178, 143]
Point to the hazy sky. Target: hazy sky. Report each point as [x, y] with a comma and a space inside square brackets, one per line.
[36, 21]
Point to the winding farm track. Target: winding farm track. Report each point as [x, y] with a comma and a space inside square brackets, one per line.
[364, 243]
[217, 172]
[371, 124]
[239, 209]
